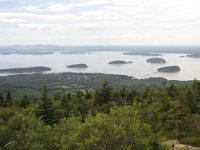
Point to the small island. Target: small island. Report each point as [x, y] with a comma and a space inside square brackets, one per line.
[37, 69]
[156, 60]
[78, 66]
[169, 69]
[119, 62]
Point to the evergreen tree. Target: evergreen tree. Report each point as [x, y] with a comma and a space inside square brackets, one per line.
[195, 86]
[65, 105]
[69, 96]
[172, 91]
[146, 92]
[2, 100]
[103, 94]
[129, 97]
[79, 96]
[46, 110]
[8, 99]
[181, 111]
[82, 108]
[64, 100]
[25, 101]
[116, 97]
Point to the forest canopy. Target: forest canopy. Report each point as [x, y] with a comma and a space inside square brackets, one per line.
[102, 119]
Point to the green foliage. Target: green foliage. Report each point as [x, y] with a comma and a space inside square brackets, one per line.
[46, 110]
[172, 90]
[116, 97]
[119, 130]
[194, 140]
[82, 108]
[24, 102]
[8, 100]
[24, 131]
[173, 112]
[103, 94]
[7, 113]
[104, 119]
[2, 101]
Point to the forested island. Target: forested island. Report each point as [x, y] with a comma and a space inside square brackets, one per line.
[169, 69]
[156, 60]
[37, 69]
[78, 66]
[119, 62]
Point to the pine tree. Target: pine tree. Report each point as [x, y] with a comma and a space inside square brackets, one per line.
[79, 96]
[2, 100]
[8, 99]
[129, 97]
[69, 96]
[64, 100]
[103, 95]
[172, 91]
[65, 105]
[82, 108]
[46, 110]
[146, 92]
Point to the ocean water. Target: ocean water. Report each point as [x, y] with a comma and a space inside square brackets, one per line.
[98, 63]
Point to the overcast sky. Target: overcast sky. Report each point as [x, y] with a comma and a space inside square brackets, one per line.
[100, 22]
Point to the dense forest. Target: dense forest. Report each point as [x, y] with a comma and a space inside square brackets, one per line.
[102, 119]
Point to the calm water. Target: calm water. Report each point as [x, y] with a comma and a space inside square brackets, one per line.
[98, 63]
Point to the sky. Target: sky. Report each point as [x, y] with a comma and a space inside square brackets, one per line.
[100, 22]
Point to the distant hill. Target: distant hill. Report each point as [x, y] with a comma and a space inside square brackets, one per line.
[129, 50]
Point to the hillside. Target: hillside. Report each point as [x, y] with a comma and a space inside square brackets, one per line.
[32, 83]
[104, 118]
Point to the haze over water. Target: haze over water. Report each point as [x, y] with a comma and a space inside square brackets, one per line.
[98, 63]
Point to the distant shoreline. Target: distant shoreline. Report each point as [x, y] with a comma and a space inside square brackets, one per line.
[37, 69]
[148, 50]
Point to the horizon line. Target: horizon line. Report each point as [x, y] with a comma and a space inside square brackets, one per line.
[99, 45]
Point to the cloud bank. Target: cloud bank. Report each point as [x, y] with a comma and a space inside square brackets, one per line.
[100, 22]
